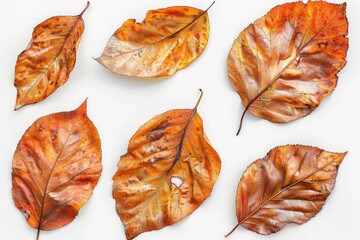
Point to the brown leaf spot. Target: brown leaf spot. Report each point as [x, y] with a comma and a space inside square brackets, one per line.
[158, 132]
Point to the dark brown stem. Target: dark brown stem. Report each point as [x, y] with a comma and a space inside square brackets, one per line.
[232, 230]
[251, 102]
[198, 102]
[210, 6]
[83, 11]
[242, 119]
[38, 234]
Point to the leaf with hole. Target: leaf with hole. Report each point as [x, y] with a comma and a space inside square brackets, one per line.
[285, 63]
[56, 166]
[168, 172]
[47, 62]
[167, 40]
[289, 185]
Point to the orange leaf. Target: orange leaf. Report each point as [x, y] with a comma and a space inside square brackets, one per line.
[49, 59]
[289, 185]
[167, 40]
[56, 166]
[286, 62]
[168, 172]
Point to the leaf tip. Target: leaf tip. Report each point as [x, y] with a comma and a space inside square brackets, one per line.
[83, 107]
[99, 60]
[338, 157]
[19, 101]
[343, 155]
[18, 105]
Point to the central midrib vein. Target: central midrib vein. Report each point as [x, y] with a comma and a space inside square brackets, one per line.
[273, 197]
[53, 60]
[301, 47]
[48, 180]
[281, 191]
[178, 154]
[169, 36]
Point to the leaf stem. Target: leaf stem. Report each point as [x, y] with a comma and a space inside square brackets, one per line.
[242, 119]
[232, 230]
[198, 102]
[86, 8]
[210, 6]
[38, 234]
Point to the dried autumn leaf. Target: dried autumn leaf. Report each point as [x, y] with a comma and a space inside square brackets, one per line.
[56, 166]
[167, 40]
[289, 185]
[47, 62]
[168, 172]
[286, 62]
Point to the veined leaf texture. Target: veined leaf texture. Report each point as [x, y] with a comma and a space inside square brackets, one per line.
[56, 166]
[47, 62]
[168, 172]
[282, 65]
[166, 41]
[289, 185]
[285, 63]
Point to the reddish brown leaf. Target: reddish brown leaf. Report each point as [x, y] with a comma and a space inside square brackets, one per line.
[285, 63]
[289, 185]
[167, 40]
[168, 172]
[56, 166]
[47, 62]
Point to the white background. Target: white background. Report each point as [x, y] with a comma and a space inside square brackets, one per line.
[119, 105]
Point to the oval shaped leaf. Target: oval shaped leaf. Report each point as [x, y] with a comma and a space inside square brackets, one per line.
[47, 62]
[167, 40]
[289, 185]
[286, 62]
[56, 166]
[168, 172]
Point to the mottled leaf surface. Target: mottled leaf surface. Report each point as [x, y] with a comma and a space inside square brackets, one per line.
[169, 170]
[47, 62]
[289, 185]
[56, 166]
[285, 63]
[167, 40]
